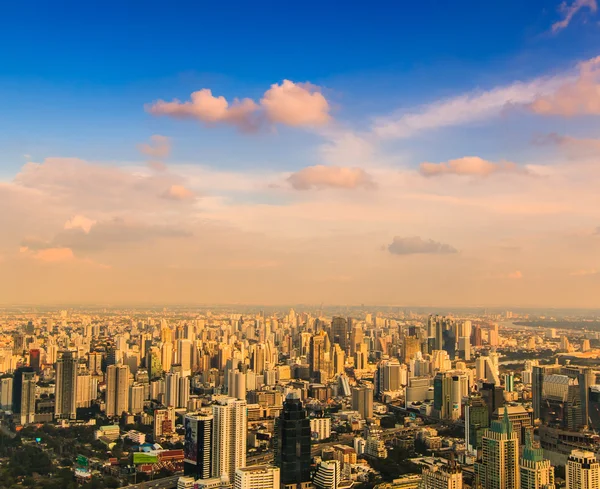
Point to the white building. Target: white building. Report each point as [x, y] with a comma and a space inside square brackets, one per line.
[328, 474]
[257, 477]
[229, 436]
[583, 470]
[442, 477]
[321, 427]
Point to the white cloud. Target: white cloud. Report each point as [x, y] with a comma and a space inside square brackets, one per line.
[463, 109]
[569, 11]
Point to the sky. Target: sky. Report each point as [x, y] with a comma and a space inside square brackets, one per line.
[425, 153]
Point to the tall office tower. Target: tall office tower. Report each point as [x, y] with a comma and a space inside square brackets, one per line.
[410, 346]
[292, 444]
[198, 448]
[184, 355]
[449, 342]
[229, 436]
[447, 476]
[509, 382]
[362, 401]
[361, 357]
[136, 398]
[172, 389]
[328, 474]
[87, 388]
[65, 404]
[476, 422]
[499, 466]
[356, 338]
[6, 393]
[537, 385]
[145, 344]
[95, 363]
[257, 477]
[35, 360]
[387, 377]
[535, 472]
[166, 356]
[439, 333]
[464, 347]
[166, 334]
[317, 354]
[184, 392]
[338, 360]
[442, 394]
[117, 390]
[23, 395]
[583, 470]
[339, 332]
[236, 386]
[476, 336]
[586, 378]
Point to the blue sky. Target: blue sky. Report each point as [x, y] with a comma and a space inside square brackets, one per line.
[451, 131]
[77, 74]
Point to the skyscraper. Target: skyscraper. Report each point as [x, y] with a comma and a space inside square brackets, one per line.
[499, 466]
[339, 332]
[198, 449]
[117, 390]
[292, 444]
[65, 405]
[387, 377]
[535, 472]
[362, 401]
[230, 425]
[583, 470]
[23, 396]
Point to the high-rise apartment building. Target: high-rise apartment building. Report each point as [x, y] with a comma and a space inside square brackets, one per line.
[292, 444]
[499, 466]
[65, 404]
[230, 425]
[257, 477]
[117, 390]
[583, 470]
[535, 471]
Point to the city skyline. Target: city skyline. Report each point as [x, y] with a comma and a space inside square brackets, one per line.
[312, 155]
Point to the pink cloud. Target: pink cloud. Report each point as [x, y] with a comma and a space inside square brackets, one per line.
[467, 166]
[321, 176]
[158, 147]
[578, 97]
[293, 104]
[178, 192]
[300, 104]
[569, 12]
[51, 255]
[80, 222]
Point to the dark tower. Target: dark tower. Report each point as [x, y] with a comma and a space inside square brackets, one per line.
[292, 444]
